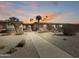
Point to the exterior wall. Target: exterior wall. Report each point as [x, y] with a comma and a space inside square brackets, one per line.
[10, 28]
[53, 26]
[20, 29]
[71, 28]
[3, 27]
[34, 27]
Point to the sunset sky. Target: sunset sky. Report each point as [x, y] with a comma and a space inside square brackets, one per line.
[56, 11]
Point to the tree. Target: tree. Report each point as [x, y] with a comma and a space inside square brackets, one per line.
[38, 18]
[45, 18]
[15, 21]
[31, 19]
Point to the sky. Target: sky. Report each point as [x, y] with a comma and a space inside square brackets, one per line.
[57, 11]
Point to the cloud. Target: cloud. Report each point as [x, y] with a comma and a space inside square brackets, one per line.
[50, 16]
[33, 4]
[6, 15]
[3, 5]
[6, 9]
[6, 5]
[44, 14]
[56, 3]
[64, 14]
[20, 10]
[63, 17]
[72, 22]
[26, 20]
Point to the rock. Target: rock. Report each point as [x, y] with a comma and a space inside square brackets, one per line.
[21, 43]
[2, 47]
[12, 50]
[64, 39]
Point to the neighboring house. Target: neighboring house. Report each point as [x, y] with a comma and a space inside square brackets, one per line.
[33, 26]
[56, 26]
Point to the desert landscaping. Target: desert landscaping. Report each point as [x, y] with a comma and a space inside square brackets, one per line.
[34, 44]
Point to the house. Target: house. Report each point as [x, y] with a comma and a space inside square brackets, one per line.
[34, 26]
[3, 26]
[6, 27]
[51, 26]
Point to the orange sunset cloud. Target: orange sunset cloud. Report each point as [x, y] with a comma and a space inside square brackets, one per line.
[50, 15]
[20, 10]
[46, 16]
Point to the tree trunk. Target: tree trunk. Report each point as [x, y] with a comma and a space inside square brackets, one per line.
[16, 29]
[38, 24]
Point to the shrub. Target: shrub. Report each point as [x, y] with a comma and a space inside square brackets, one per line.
[19, 33]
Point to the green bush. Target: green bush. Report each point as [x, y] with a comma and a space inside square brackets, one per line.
[39, 31]
[19, 33]
[5, 34]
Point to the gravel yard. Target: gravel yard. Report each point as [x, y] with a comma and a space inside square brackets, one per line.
[68, 44]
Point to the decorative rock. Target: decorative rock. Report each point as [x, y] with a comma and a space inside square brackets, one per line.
[12, 50]
[64, 39]
[21, 44]
[2, 47]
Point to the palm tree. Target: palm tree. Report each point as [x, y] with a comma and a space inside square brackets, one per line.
[15, 21]
[38, 18]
